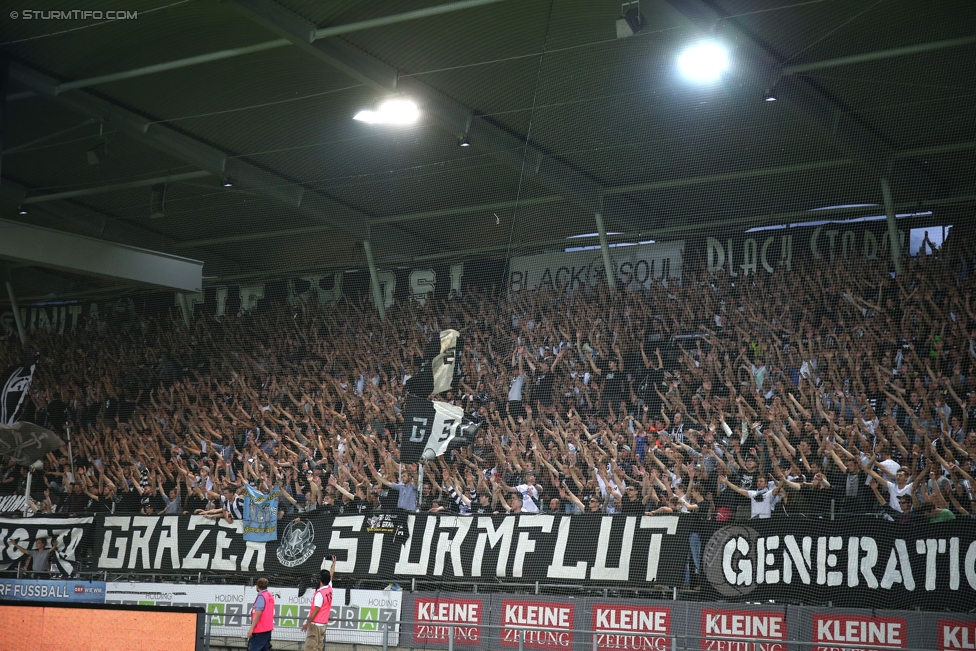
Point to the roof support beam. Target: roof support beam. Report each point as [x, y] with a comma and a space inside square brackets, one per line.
[449, 114]
[427, 12]
[762, 69]
[316, 205]
[170, 65]
[219, 55]
[374, 280]
[109, 227]
[878, 55]
[610, 191]
[59, 250]
[13, 303]
[893, 239]
[605, 251]
[50, 136]
[115, 187]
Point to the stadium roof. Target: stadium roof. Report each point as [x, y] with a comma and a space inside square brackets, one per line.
[239, 136]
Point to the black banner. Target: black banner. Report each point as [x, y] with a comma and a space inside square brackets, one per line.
[861, 562]
[71, 537]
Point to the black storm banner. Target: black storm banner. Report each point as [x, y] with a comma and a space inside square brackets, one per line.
[866, 563]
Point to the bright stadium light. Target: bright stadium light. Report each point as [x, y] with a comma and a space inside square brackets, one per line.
[704, 62]
[394, 111]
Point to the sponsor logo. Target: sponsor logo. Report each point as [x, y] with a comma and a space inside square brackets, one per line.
[541, 625]
[381, 523]
[50, 590]
[719, 628]
[956, 635]
[850, 632]
[436, 617]
[297, 543]
[632, 627]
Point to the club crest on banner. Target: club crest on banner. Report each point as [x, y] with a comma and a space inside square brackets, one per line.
[297, 543]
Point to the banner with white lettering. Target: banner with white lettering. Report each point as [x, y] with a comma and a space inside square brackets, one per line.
[357, 617]
[50, 590]
[802, 247]
[863, 562]
[857, 563]
[557, 549]
[71, 537]
[833, 629]
[632, 266]
[437, 619]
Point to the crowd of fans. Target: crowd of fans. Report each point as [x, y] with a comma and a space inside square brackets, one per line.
[821, 394]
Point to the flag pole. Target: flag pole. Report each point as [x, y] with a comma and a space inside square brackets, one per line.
[71, 456]
[27, 498]
[420, 485]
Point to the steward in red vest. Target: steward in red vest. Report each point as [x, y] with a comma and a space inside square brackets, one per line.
[262, 618]
[318, 614]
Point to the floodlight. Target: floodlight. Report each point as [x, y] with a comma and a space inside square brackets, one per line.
[227, 182]
[704, 62]
[394, 111]
[464, 142]
[21, 210]
[631, 19]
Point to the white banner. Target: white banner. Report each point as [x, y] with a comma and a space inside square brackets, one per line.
[360, 621]
[633, 266]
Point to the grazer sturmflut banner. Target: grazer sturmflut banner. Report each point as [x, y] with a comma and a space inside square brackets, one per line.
[864, 562]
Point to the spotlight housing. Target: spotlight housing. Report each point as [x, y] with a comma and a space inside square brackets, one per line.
[157, 201]
[704, 63]
[227, 183]
[631, 19]
[21, 210]
[464, 142]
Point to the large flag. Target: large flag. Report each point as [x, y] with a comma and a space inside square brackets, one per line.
[432, 428]
[14, 386]
[260, 514]
[25, 443]
[444, 366]
[440, 370]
